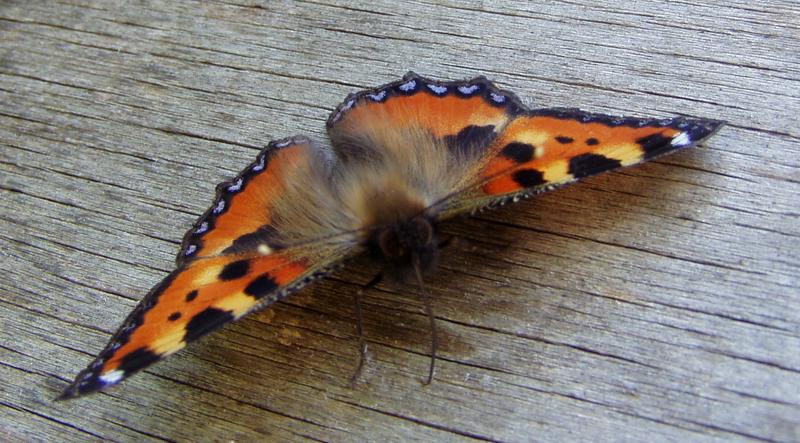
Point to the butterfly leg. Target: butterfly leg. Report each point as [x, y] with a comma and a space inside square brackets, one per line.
[362, 344]
[426, 298]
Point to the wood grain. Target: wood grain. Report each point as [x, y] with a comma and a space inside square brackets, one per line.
[658, 303]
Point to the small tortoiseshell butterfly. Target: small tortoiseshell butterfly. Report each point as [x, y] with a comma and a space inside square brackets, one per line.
[403, 158]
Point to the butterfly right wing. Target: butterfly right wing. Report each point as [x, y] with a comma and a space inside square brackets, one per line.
[252, 248]
[499, 150]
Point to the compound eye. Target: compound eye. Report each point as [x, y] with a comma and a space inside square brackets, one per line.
[390, 243]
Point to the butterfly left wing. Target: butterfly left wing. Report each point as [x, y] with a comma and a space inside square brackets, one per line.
[265, 236]
[540, 150]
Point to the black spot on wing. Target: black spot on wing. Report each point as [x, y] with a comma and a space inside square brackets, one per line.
[564, 139]
[205, 322]
[528, 178]
[174, 316]
[588, 164]
[192, 295]
[518, 152]
[654, 144]
[234, 270]
[261, 286]
[265, 235]
[591, 141]
[471, 139]
[137, 360]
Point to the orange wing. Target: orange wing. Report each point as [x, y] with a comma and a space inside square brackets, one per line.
[467, 114]
[230, 264]
[512, 152]
[543, 149]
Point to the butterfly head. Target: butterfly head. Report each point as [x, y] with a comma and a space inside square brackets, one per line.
[404, 246]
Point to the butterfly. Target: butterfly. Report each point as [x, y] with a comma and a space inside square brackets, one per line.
[402, 158]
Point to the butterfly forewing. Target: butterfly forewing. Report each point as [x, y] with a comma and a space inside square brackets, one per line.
[544, 149]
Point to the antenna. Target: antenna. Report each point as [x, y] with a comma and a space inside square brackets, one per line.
[426, 297]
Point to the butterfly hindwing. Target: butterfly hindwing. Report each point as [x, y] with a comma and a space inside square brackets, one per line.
[232, 262]
[465, 114]
[243, 205]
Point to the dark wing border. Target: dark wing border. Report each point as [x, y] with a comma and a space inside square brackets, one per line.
[412, 83]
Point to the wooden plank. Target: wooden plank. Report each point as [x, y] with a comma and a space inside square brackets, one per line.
[657, 303]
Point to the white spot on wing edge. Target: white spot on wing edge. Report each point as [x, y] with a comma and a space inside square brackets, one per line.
[112, 377]
[202, 228]
[468, 90]
[497, 98]
[681, 139]
[438, 89]
[408, 86]
[377, 97]
[190, 250]
[346, 107]
[264, 249]
[236, 186]
[261, 163]
[219, 208]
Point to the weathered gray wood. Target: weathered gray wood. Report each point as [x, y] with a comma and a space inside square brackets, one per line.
[662, 302]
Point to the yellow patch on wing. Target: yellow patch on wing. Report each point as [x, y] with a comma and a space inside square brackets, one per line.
[557, 171]
[626, 153]
[238, 304]
[207, 275]
[169, 342]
